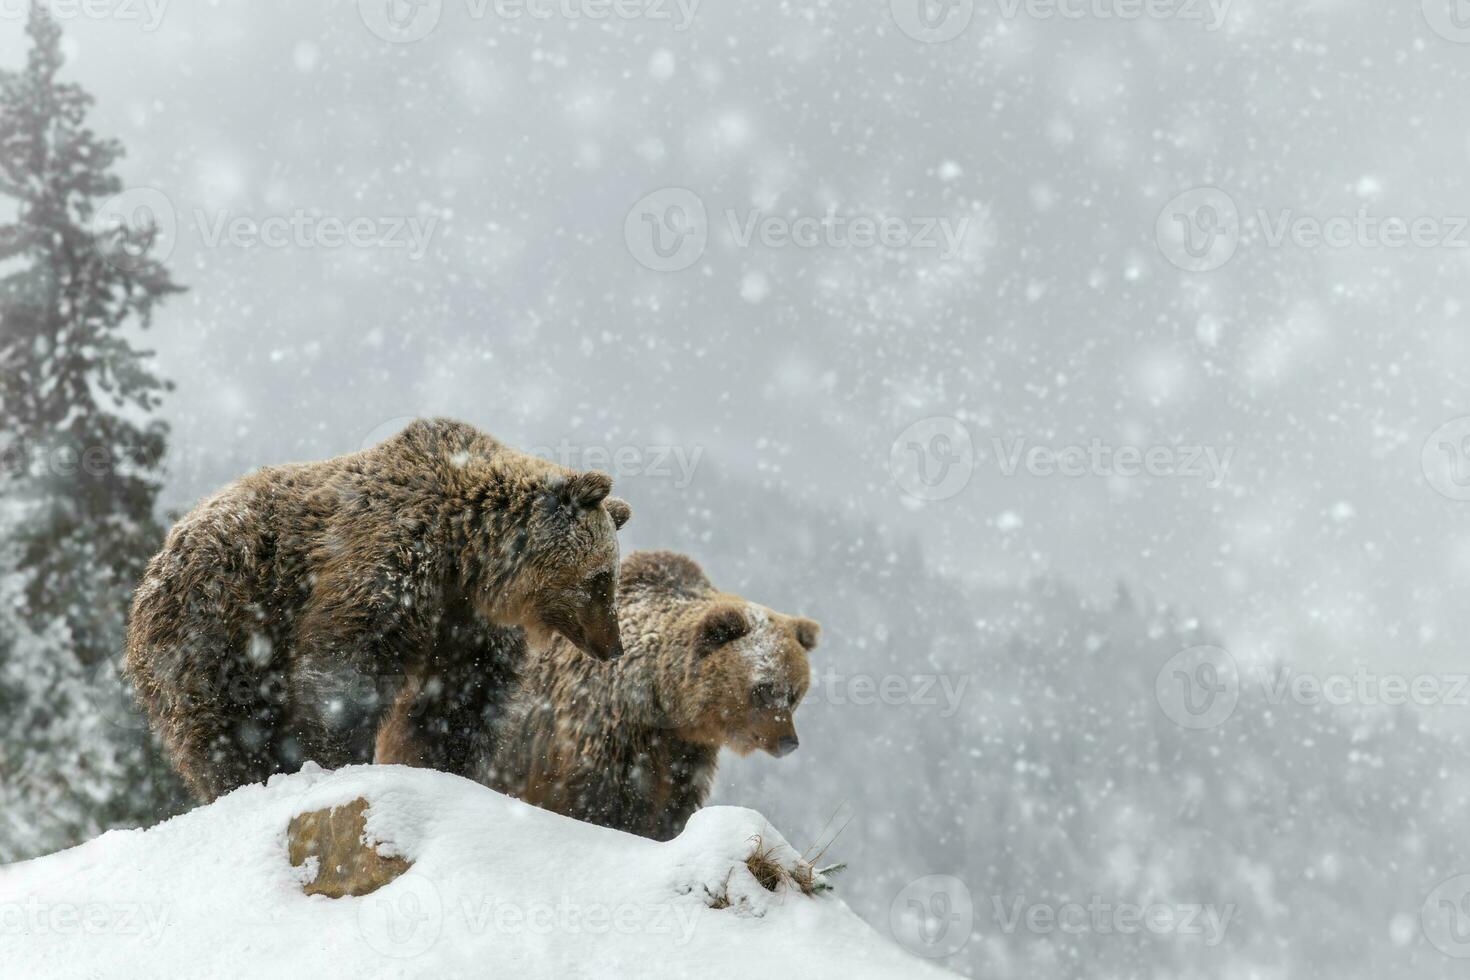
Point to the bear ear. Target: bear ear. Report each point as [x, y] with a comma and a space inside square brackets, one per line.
[618, 510]
[586, 490]
[808, 631]
[721, 625]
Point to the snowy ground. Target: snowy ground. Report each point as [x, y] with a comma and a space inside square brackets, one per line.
[496, 888]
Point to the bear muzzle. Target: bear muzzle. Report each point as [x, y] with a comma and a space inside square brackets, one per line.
[597, 635]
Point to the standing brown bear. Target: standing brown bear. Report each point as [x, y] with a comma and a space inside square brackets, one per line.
[286, 612]
[634, 745]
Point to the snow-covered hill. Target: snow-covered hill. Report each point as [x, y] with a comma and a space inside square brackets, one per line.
[494, 888]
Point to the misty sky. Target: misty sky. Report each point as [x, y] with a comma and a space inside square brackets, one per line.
[496, 162]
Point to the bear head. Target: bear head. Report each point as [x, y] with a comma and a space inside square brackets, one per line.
[553, 555]
[727, 672]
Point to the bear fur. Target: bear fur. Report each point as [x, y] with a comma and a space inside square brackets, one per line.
[285, 614]
[633, 745]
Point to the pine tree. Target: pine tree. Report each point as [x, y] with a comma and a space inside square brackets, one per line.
[69, 372]
[82, 452]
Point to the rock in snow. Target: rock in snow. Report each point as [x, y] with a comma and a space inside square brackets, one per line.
[477, 885]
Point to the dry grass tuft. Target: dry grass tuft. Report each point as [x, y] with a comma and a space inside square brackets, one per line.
[766, 870]
[774, 876]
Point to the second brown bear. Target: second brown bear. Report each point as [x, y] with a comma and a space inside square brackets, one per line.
[633, 745]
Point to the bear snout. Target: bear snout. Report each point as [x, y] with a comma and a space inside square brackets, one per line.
[786, 745]
[600, 637]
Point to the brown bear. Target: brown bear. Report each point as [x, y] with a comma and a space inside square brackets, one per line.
[285, 612]
[633, 745]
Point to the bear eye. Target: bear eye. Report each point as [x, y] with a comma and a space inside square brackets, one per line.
[600, 586]
[765, 695]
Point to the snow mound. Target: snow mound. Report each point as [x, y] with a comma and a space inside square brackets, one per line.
[493, 888]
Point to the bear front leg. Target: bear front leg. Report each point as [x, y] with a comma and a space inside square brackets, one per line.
[340, 694]
[400, 741]
[436, 722]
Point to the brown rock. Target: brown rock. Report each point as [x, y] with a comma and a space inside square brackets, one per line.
[346, 863]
